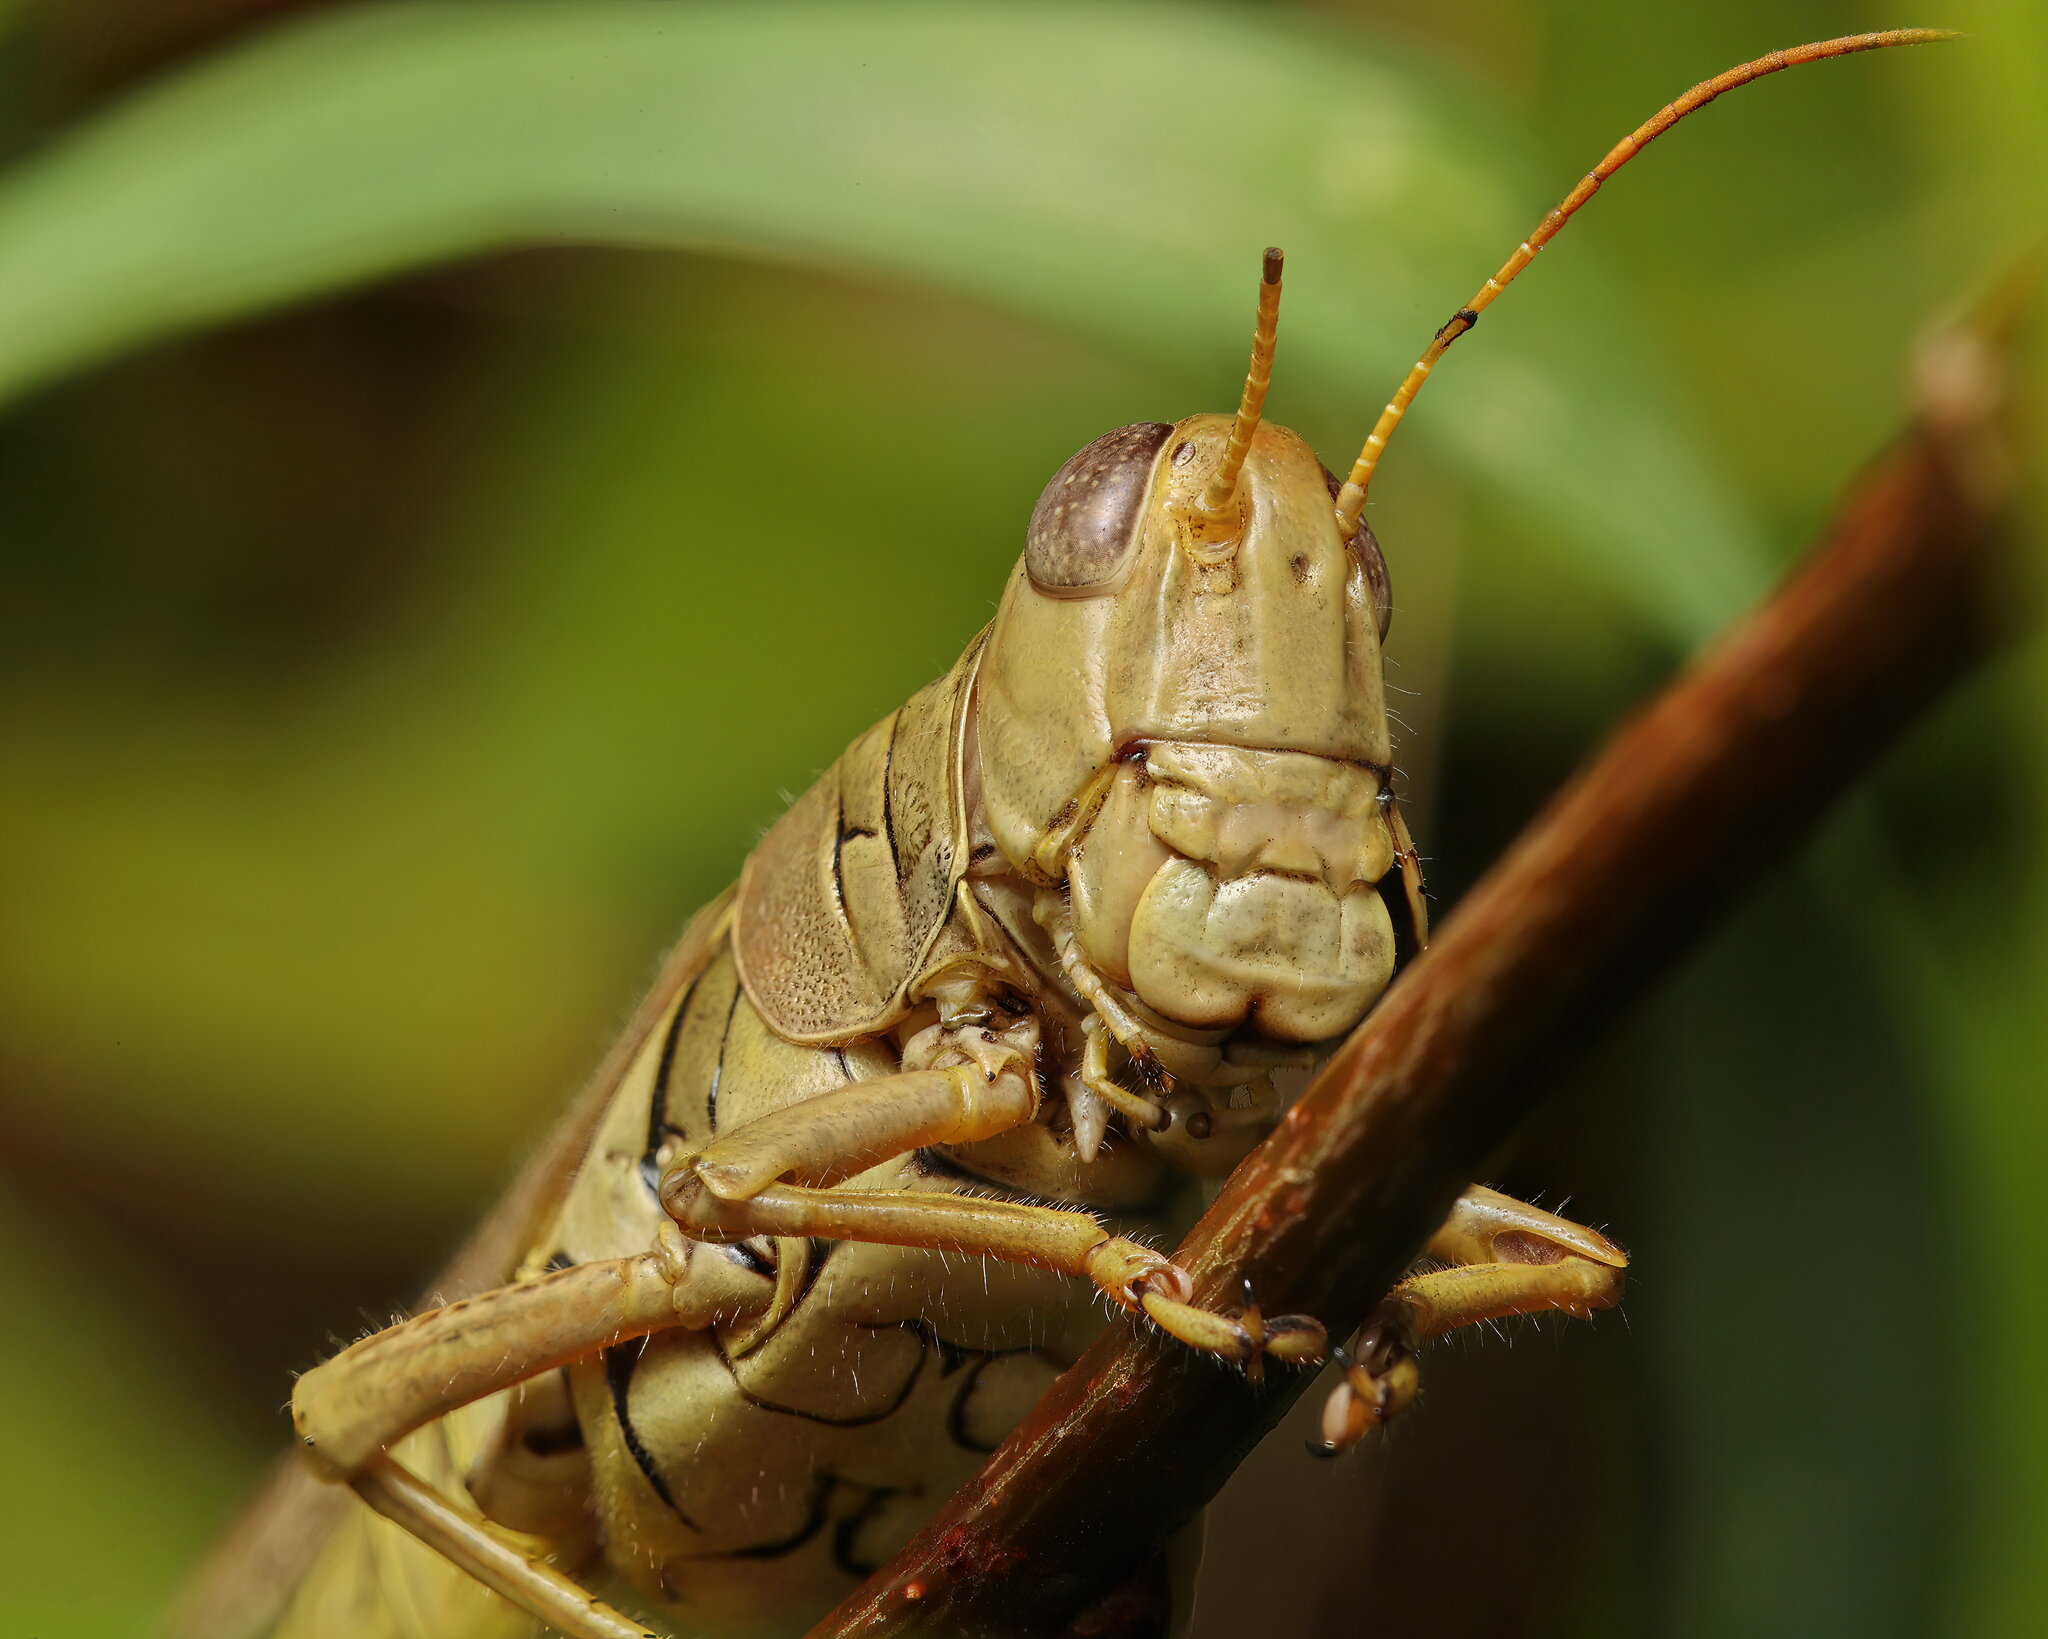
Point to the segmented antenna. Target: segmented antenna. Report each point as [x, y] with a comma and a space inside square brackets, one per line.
[1222, 485]
[1351, 499]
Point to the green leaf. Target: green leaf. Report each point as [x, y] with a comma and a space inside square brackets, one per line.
[1110, 170]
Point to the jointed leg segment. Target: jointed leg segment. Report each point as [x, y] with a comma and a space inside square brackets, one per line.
[374, 1393]
[1507, 1258]
[352, 1409]
[534, 1585]
[1070, 1242]
[831, 1137]
[735, 1190]
[377, 1391]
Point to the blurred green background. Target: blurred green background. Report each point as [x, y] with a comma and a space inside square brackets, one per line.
[464, 466]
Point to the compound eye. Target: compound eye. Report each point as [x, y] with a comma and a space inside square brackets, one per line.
[1086, 522]
[1365, 547]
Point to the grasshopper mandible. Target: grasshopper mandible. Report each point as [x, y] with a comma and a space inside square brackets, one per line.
[906, 1098]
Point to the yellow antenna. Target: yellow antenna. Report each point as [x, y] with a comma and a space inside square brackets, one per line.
[1351, 499]
[1222, 485]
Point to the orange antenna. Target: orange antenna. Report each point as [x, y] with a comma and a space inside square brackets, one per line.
[1222, 483]
[1351, 499]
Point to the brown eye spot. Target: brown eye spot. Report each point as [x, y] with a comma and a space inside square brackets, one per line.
[1085, 522]
[1365, 547]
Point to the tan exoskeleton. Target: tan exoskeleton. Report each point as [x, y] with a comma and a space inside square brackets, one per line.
[905, 1099]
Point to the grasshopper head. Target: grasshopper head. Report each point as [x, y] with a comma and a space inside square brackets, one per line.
[1181, 716]
[1182, 719]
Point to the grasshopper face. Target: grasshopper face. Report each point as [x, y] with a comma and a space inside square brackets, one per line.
[1182, 719]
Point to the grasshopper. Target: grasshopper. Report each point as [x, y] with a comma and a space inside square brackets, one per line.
[908, 1098]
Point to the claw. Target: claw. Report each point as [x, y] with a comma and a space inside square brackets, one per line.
[1253, 1323]
[1246, 1339]
[1139, 1278]
[1372, 1392]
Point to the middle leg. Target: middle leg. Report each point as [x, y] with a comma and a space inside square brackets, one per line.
[1506, 1258]
[1057, 1238]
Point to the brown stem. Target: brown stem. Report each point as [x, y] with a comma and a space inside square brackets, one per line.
[1626, 868]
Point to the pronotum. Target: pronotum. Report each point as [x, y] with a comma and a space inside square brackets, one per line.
[907, 1099]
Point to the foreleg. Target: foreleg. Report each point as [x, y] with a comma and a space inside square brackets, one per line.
[973, 1084]
[837, 1134]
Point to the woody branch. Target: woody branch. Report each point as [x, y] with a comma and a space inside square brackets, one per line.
[1626, 869]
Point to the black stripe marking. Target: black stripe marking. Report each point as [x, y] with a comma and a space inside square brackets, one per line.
[952, 1357]
[956, 1414]
[814, 1266]
[888, 798]
[814, 1522]
[838, 860]
[718, 1069]
[866, 1419]
[620, 1362]
[744, 1254]
[658, 1127]
[850, 1527]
